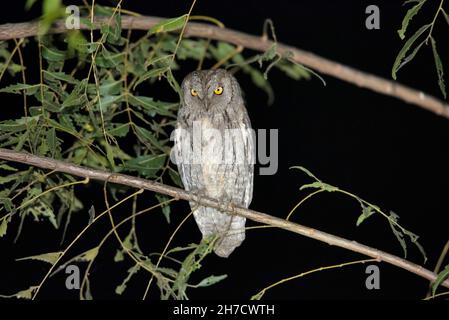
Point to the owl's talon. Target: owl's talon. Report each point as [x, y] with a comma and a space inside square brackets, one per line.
[226, 205]
[199, 194]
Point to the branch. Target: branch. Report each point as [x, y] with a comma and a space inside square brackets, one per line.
[193, 29]
[61, 166]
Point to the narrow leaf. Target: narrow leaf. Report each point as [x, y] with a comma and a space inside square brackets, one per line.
[50, 257]
[211, 280]
[24, 294]
[439, 67]
[4, 166]
[169, 25]
[408, 17]
[306, 171]
[398, 63]
[443, 275]
[366, 213]
[4, 227]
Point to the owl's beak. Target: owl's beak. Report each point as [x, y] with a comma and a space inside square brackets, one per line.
[205, 102]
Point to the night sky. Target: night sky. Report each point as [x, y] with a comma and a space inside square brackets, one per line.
[388, 152]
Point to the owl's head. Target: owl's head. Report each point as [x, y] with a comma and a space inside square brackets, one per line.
[209, 90]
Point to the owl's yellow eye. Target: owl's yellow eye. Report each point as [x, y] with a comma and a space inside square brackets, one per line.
[193, 92]
[218, 90]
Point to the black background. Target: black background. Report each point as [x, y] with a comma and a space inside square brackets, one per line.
[388, 152]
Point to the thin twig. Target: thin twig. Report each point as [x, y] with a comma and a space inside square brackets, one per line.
[61, 166]
[193, 29]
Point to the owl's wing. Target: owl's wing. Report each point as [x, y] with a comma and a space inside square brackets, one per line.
[182, 151]
[238, 172]
[246, 162]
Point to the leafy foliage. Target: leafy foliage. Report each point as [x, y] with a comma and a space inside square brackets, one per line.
[417, 40]
[95, 93]
[442, 276]
[368, 210]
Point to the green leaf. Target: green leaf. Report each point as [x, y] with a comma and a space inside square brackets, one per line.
[104, 10]
[119, 256]
[63, 126]
[60, 76]
[24, 294]
[439, 67]
[147, 136]
[258, 295]
[319, 185]
[76, 42]
[18, 124]
[9, 178]
[147, 165]
[76, 98]
[153, 73]
[86, 294]
[119, 129]
[293, 70]
[113, 32]
[108, 101]
[166, 207]
[172, 81]
[109, 154]
[152, 107]
[4, 226]
[53, 54]
[412, 55]
[367, 212]
[211, 280]
[190, 49]
[174, 175]
[7, 203]
[393, 218]
[4, 166]
[222, 50]
[17, 88]
[50, 257]
[13, 68]
[39, 208]
[106, 59]
[51, 6]
[401, 60]
[88, 255]
[66, 121]
[111, 87]
[414, 239]
[51, 10]
[443, 275]
[52, 141]
[409, 16]
[131, 271]
[306, 171]
[168, 25]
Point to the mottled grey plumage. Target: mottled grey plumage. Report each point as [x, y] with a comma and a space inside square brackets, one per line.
[219, 166]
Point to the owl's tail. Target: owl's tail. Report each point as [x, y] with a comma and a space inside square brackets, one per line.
[229, 229]
[232, 238]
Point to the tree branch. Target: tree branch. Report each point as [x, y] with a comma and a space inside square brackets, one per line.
[61, 166]
[322, 65]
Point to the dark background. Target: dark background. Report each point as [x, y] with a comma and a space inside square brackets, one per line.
[388, 152]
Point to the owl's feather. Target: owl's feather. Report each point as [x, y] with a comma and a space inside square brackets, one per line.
[220, 165]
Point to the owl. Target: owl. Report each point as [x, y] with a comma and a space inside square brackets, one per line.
[214, 151]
